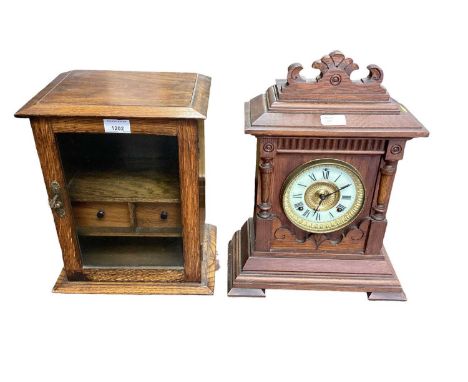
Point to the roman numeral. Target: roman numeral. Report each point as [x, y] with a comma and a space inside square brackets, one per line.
[325, 173]
[297, 195]
[302, 185]
[312, 176]
[317, 216]
[299, 206]
[338, 177]
[346, 197]
[340, 208]
[331, 214]
[306, 213]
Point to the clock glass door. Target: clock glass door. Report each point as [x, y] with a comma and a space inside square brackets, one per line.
[323, 195]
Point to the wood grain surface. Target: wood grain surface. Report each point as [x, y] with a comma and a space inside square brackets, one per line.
[52, 171]
[96, 125]
[205, 286]
[116, 185]
[319, 279]
[150, 215]
[115, 214]
[86, 93]
[189, 197]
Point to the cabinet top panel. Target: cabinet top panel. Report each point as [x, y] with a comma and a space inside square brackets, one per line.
[96, 93]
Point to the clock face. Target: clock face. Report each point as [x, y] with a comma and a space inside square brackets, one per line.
[323, 195]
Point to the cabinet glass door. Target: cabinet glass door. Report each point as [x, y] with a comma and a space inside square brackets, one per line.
[125, 196]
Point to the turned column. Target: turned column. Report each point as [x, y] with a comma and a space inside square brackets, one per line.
[378, 224]
[266, 169]
[387, 175]
[263, 222]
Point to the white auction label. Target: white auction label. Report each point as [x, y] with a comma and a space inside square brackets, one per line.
[333, 119]
[117, 126]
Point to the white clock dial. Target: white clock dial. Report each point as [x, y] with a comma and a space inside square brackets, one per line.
[323, 195]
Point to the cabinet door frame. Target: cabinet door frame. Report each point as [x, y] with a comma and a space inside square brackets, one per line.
[188, 142]
[49, 157]
[44, 130]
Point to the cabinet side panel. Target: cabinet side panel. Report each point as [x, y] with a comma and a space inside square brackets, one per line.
[189, 195]
[201, 167]
[52, 170]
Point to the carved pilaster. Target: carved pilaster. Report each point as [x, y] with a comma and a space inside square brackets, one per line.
[267, 151]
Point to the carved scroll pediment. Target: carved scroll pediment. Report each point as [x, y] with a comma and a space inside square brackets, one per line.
[334, 83]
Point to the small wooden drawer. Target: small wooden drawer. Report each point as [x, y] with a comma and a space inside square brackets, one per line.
[101, 214]
[157, 215]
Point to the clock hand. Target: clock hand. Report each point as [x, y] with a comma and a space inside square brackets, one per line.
[321, 200]
[334, 192]
[323, 197]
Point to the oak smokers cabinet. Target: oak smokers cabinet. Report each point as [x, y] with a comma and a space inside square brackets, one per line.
[327, 154]
[122, 154]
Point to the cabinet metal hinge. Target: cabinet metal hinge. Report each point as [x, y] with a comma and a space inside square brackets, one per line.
[55, 202]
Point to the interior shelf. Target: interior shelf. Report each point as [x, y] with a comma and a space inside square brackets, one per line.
[120, 167]
[131, 252]
[139, 232]
[125, 185]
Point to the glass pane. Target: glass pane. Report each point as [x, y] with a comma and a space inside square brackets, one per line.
[124, 190]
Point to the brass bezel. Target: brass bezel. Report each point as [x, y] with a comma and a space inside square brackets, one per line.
[336, 224]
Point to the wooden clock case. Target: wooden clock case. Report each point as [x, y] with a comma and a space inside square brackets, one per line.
[128, 208]
[299, 120]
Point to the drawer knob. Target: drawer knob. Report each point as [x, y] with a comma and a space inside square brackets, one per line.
[164, 215]
[100, 214]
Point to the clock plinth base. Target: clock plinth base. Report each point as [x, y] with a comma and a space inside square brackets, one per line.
[205, 286]
[250, 275]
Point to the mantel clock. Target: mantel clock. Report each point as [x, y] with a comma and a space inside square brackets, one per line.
[327, 154]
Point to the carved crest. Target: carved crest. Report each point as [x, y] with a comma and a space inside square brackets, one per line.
[334, 83]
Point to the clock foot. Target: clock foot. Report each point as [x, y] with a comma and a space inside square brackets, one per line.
[244, 292]
[386, 296]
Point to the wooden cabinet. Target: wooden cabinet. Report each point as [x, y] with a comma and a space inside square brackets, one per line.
[122, 158]
[327, 154]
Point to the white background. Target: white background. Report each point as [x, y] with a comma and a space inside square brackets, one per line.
[289, 335]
